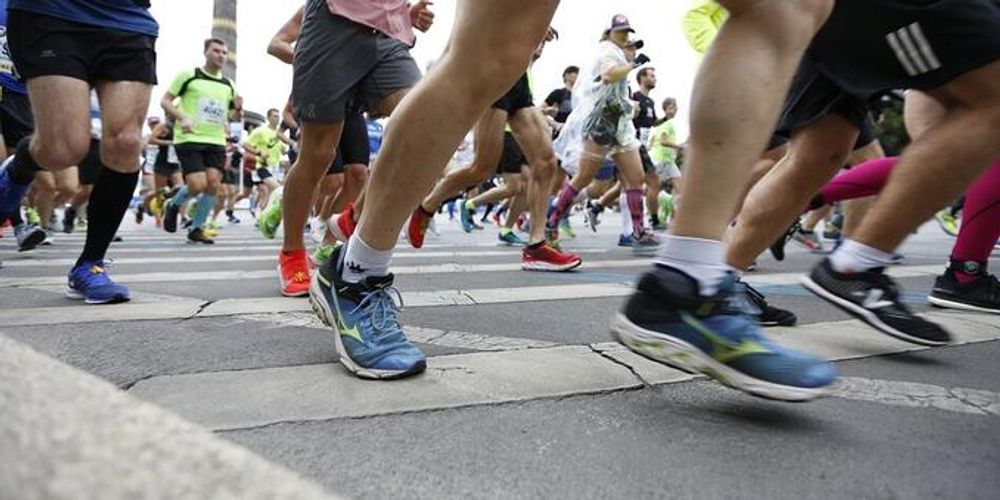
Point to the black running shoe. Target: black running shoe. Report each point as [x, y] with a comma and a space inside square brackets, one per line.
[873, 297]
[196, 235]
[170, 214]
[778, 247]
[69, 220]
[766, 314]
[981, 294]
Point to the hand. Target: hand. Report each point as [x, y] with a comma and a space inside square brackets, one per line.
[187, 126]
[641, 59]
[421, 16]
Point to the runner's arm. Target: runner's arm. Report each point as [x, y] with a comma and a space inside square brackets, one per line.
[154, 135]
[282, 43]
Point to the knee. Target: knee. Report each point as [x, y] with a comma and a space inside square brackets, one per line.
[789, 22]
[123, 146]
[62, 153]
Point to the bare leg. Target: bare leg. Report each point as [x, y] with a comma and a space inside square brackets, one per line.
[488, 135]
[533, 137]
[318, 143]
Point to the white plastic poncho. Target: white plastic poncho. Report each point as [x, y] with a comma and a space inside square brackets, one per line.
[601, 112]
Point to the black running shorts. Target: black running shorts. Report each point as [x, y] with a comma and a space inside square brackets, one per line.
[196, 157]
[353, 148]
[16, 120]
[512, 158]
[518, 97]
[41, 45]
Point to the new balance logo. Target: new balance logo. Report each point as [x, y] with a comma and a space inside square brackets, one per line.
[913, 50]
[872, 299]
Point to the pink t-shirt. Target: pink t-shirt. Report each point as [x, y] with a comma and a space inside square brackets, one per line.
[391, 17]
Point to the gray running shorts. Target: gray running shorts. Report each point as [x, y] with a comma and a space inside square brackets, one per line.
[339, 62]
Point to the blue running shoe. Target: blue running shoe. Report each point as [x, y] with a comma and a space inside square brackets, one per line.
[466, 214]
[90, 281]
[11, 194]
[626, 240]
[668, 321]
[369, 340]
[508, 237]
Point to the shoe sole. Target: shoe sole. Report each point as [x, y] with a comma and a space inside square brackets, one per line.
[541, 266]
[75, 295]
[645, 251]
[686, 357]
[326, 315]
[865, 315]
[951, 304]
[32, 241]
[281, 283]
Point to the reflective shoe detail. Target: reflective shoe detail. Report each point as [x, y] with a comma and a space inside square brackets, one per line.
[198, 235]
[368, 338]
[666, 320]
[509, 238]
[29, 236]
[90, 282]
[981, 295]
[293, 272]
[416, 229]
[546, 258]
[342, 225]
[873, 297]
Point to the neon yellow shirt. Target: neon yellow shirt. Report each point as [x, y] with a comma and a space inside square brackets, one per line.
[659, 153]
[702, 22]
[269, 147]
[205, 99]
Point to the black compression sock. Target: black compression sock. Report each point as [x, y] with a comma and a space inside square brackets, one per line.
[535, 246]
[108, 203]
[22, 168]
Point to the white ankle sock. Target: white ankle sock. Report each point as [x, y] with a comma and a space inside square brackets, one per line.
[626, 215]
[699, 258]
[361, 260]
[854, 257]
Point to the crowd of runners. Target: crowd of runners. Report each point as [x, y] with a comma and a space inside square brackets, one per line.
[782, 134]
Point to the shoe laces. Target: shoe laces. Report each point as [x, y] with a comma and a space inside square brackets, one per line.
[97, 271]
[382, 307]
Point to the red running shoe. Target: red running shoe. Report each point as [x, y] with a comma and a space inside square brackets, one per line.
[293, 270]
[546, 258]
[417, 228]
[342, 225]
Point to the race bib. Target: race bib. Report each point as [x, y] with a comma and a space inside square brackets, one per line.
[211, 111]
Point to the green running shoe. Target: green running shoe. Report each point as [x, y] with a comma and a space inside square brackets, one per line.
[270, 217]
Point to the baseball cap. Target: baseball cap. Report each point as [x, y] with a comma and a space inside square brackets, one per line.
[618, 23]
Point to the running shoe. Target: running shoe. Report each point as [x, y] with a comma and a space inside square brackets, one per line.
[138, 215]
[808, 240]
[897, 259]
[233, 219]
[31, 216]
[69, 220]
[565, 229]
[49, 237]
[11, 194]
[293, 271]
[170, 214]
[322, 254]
[546, 258]
[764, 313]
[197, 235]
[947, 221]
[28, 236]
[368, 338]
[626, 240]
[342, 225]
[778, 247]
[667, 320]
[592, 214]
[466, 215]
[873, 297]
[156, 204]
[317, 230]
[982, 294]
[210, 232]
[90, 281]
[507, 237]
[270, 217]
[646, 243]
[552, 236]
[420, 220]
[657, 224]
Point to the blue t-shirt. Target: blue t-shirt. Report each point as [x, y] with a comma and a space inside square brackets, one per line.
[121, 15]
[8, 75]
